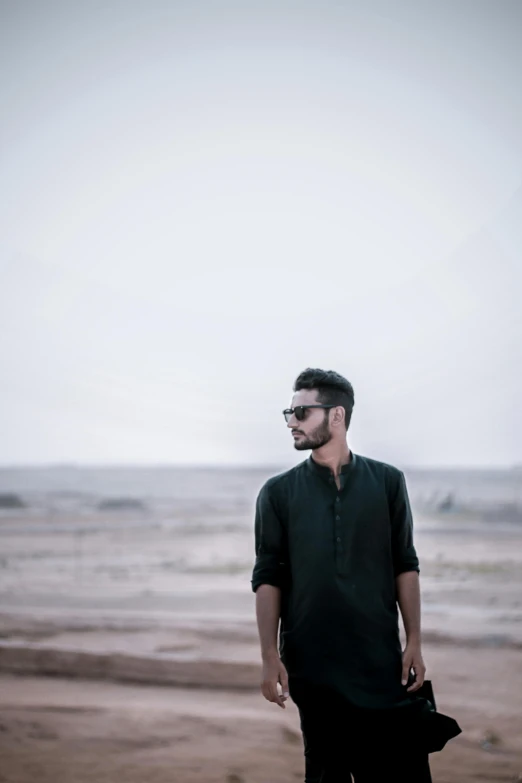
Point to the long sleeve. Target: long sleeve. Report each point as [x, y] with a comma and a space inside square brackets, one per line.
[270, 542]
[403, 549]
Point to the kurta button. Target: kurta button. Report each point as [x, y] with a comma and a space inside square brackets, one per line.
[337, 500]
[338, 519]
[338, 540]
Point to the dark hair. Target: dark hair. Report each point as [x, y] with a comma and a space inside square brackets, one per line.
[332, 389]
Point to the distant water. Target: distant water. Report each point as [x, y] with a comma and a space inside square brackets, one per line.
[85, 490]
[181, 540]
[89, 490]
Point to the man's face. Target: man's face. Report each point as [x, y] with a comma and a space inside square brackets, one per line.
[314, 431]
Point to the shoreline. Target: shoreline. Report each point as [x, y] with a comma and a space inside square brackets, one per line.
[212, 655]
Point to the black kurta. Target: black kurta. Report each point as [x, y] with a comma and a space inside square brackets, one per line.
[335, 554]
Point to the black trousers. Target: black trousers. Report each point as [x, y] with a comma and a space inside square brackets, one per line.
[344, 744]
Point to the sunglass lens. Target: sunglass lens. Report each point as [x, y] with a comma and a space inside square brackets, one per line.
[299, 413]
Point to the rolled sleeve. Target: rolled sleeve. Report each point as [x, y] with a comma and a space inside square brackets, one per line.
[270, 542]
[403, 549]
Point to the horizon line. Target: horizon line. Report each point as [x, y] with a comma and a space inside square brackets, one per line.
[78, 465]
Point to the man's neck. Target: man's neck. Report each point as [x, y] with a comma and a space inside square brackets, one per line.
[333, 456]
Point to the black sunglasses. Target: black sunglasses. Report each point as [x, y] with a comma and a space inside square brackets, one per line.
[300, 411]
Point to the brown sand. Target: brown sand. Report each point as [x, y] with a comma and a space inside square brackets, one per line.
[56, 730]
[120, 636]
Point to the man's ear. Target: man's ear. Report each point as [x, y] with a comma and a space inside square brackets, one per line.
[338, 415]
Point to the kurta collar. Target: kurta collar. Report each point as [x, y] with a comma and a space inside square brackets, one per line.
[325, 472]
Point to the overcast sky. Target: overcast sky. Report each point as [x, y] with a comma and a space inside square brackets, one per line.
[200, 199]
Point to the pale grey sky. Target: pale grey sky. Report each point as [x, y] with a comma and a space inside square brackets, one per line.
[200, 199]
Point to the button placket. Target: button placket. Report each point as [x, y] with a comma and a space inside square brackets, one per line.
[338, 537]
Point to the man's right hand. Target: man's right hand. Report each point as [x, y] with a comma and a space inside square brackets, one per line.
[274, 672]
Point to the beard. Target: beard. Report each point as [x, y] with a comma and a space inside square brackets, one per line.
[315, 439]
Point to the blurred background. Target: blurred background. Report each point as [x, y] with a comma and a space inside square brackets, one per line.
[197, 201]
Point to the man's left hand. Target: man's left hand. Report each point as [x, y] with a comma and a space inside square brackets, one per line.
[412, 659]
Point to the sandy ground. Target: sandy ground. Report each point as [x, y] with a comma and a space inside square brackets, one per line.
[120, 633]
[70, 731]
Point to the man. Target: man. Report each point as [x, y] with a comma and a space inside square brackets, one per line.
[334, 557]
